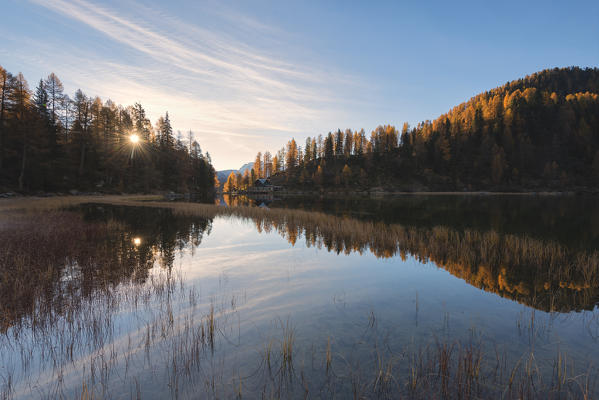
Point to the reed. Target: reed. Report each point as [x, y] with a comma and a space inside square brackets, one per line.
[287, 347]
[329, 356]
[174, 332]
[49, 257]
[543, 274]
[448, 369]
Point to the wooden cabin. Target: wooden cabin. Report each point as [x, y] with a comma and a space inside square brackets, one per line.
[262, 185]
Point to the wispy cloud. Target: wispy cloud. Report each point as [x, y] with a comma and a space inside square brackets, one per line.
[198, 51]
[213, 82]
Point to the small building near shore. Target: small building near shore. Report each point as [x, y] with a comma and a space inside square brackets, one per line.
[262, 185]
[262, 182]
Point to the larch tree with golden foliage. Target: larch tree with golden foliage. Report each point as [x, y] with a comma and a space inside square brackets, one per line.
[541, 131]
[231, 183]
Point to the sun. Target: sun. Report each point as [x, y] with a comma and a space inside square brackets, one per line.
[134, 139]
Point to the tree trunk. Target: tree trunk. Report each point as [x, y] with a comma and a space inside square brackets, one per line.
[23, 163]
[66, 124]
[2, 102]
[82, 159]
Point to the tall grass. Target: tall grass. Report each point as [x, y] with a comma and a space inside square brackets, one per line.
[188, 342]
[50, 259]
[543, 274]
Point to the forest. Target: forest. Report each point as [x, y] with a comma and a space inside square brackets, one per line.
[50, 142]
[536, 133]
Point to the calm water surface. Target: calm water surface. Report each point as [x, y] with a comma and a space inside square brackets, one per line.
[348, 312]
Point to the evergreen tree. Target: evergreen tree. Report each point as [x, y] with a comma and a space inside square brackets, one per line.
[50, 142]
[348, 145]
[538, 132]
[329, 147]
[338, 143]
[6, 81]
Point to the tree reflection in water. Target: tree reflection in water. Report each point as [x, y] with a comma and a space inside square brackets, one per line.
[57, 257]
[49, 262]
[59, 261]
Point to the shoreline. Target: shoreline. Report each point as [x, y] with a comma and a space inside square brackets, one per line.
[443, 193]
[20, 201]
[421, 193]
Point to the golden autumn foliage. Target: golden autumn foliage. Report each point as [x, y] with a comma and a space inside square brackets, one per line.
[541, 131]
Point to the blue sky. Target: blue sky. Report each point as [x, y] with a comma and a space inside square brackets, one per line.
[246, 76]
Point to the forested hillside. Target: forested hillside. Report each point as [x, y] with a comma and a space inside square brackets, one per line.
[536, 133]
[52, 143]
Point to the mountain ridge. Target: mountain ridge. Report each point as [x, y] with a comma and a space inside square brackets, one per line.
[224, 174]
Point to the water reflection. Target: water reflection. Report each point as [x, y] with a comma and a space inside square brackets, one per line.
[540, 273]
[573, 221]
[51, 262]
[118, 244]
[255, 200]
[248, 315]
[540, 251]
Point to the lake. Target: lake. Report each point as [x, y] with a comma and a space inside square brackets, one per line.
[438, 296]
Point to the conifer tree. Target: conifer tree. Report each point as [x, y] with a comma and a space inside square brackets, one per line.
[50, 142]
[258, 171]
[292, 154]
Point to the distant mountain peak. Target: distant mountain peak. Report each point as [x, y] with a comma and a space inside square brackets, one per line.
[224, 174]
[245, 167]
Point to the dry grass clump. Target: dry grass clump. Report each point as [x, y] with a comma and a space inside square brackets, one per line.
[39, 204]
[49, 260]
[34, 253]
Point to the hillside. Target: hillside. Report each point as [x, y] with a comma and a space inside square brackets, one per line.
[536, 133]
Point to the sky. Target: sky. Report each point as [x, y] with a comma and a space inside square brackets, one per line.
[246, 76]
